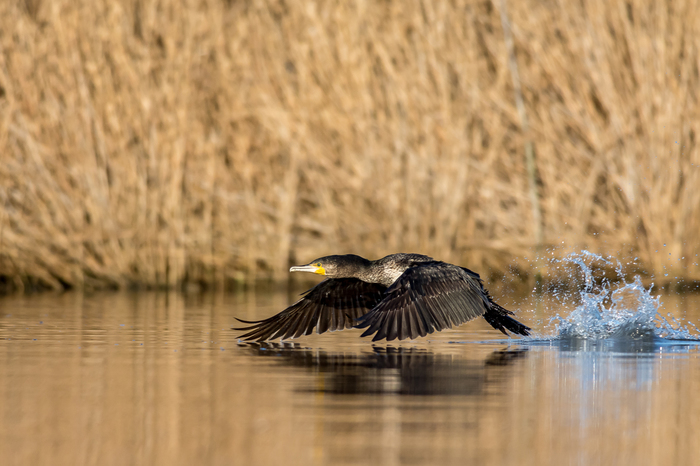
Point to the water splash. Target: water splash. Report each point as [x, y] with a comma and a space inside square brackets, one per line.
[616, 310]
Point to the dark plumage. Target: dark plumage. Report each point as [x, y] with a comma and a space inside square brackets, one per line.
[399, 296]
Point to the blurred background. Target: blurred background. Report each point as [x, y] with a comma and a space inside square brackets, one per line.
[214, 142]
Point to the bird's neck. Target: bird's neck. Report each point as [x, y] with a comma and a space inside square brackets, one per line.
[384, 273]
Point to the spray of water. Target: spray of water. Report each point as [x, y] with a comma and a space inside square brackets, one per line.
[616, 310]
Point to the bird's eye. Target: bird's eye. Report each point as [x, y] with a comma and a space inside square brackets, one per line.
[318, 264]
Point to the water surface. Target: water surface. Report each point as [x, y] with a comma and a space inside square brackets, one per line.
[159, 378]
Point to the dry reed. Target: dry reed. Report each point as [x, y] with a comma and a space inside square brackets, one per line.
[161, 143]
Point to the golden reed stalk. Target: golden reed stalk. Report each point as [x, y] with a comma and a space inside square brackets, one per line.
[162, 143]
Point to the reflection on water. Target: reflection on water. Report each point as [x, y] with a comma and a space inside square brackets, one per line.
[394, 370]
[151, 379]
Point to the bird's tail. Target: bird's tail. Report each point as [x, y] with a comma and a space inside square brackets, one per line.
[500, 319]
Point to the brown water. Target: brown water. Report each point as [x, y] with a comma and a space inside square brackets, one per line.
[160, 379]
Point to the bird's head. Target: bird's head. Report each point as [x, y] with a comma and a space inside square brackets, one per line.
[348, 265]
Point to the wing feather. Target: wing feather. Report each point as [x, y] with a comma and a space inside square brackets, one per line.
[428, 297]
[333, 304]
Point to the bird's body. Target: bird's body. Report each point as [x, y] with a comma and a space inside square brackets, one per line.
[399, 296]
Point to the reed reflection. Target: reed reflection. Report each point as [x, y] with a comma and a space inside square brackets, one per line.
[395, 370]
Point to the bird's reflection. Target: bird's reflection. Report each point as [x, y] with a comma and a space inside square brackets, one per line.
[394, 370]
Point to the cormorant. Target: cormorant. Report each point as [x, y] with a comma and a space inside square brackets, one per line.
[399, 296]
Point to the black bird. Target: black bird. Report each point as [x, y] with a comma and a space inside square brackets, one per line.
[399, 296]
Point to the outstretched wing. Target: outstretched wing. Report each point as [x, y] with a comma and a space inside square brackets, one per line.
[333, 304]
[428, 297]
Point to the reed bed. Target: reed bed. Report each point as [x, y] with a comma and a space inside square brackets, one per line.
[160, 143]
